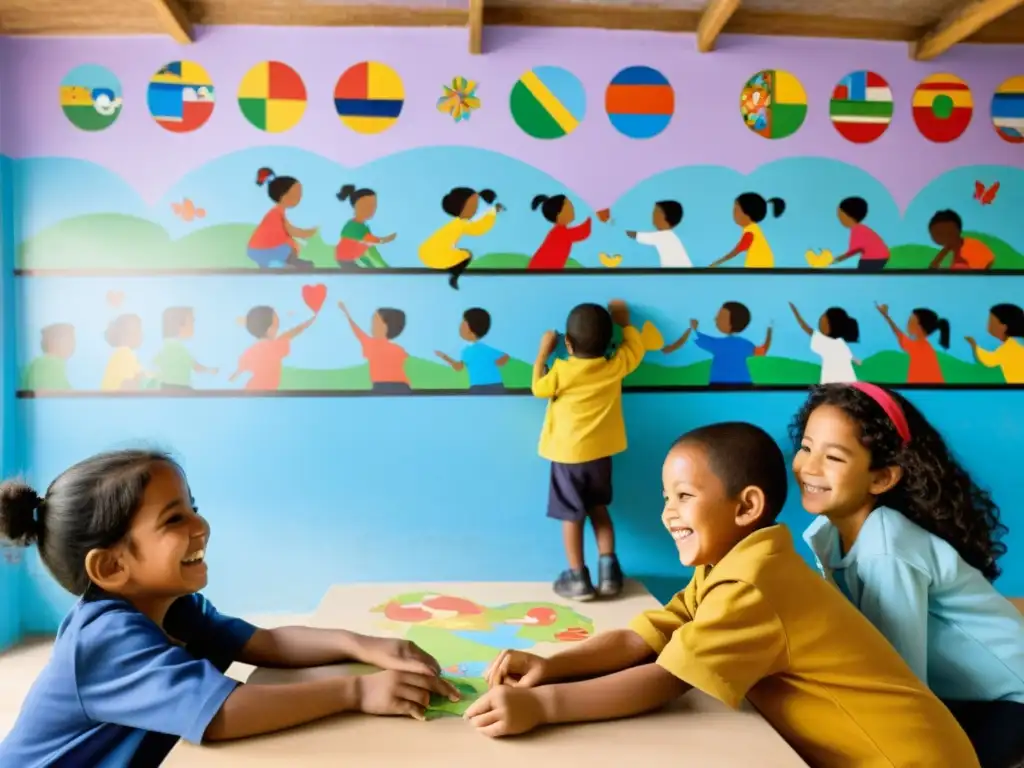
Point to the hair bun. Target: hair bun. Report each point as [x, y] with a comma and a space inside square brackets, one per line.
[18, 505]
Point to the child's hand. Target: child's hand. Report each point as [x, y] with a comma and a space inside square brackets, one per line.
[694, 324]
[401, 693]
[548, 342]
[883, 308]
[400, 655]
[970, 340]
[499, 208]
[342, 307]
[388, 238]
[516, 668]
[505, 711]
[619, 312]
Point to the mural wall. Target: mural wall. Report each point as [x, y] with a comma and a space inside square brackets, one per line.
[253, 232]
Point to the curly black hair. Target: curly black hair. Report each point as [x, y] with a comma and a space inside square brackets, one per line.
[935, 492]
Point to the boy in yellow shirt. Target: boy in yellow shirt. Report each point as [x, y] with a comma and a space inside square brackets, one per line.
[755, 622]
[583, 429]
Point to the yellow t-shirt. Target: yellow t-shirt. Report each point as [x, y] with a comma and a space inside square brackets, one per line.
[759, 254]
[1009, 356]
[441, 251]
[762, 625]
[123, 366]
[584, 416]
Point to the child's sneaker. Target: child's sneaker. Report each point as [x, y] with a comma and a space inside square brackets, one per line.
[609, 583]
[575, 585]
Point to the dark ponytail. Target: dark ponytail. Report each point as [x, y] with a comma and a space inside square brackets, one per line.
[550, 207]
[841, 325]
[351, 193]
[488, 196]
[755, 207]
[277, 186]
[931, 322]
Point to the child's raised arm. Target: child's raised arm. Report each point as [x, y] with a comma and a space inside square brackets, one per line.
[631, 352]
[800, 321]
[291, 334]
[544, 383]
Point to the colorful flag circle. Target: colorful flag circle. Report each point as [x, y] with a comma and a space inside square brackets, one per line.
[369, 97]
[773, 104]
[90, 97]
[942, 106]
[548, 102]
[180, 96]
[272, 97]
[861, 106]
[640, 102]
[1008, 110]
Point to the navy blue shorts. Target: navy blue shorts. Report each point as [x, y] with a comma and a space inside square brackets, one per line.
[578, 488]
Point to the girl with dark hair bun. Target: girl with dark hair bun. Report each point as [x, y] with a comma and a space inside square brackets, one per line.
[357, 246]
[836, 331]
[273, 243]
[441, 250]
[554, 251]
[924, 365]
[913, 542]
[749, 210]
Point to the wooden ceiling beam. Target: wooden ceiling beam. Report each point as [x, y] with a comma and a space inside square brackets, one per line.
[174, 19]
[958, 25]
[716, 15]
[476, 26]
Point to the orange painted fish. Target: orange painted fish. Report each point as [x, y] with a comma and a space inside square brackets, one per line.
[187, 211]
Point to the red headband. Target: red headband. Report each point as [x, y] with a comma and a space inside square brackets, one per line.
[888, 404]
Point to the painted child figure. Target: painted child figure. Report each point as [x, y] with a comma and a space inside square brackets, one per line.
[729, 352]
[755, 622]
[265, 359]
[482, 362]
[968, 253]
[140, 660]
[583, 429]
[49, 371]
[666, 217]
[174, 363]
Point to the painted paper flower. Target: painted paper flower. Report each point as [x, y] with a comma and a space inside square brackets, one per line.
[459, 100]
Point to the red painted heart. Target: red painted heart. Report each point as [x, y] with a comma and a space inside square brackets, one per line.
[314, 296]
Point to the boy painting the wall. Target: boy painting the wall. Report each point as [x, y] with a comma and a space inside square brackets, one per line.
[49, 371]
[583, 429]
[174, 363]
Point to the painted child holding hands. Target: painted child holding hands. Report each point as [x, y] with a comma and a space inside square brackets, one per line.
[755, 622]
[140, 660]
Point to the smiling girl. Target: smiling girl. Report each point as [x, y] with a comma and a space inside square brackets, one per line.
[912, 541]
[140, 660]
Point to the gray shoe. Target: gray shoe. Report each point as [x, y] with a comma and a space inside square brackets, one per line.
[575, 585]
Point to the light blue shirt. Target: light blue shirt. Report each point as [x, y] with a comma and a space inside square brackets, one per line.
[481, 363]
[951, 626]
[116, 689]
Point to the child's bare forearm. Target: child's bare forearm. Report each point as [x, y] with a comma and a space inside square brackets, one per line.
[605, 653]
[300, 647]
[622, 694]
[254, 709]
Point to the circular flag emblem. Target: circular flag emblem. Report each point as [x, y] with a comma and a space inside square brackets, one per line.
[548, 102]
[639, 102]
[942, 107]
[1008, 110]
[90, 97]
[180, 96]
[861, 106]
[773, 104]
[272, 97]
[369, 97]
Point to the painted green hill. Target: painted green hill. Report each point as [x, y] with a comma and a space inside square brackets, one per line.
[914, 256]
[511, 261]
[423, 375]
[98, 241]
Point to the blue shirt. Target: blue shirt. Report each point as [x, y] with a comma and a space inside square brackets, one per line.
[951, 626]
[729, 356]
[117, 688]
[481, 363]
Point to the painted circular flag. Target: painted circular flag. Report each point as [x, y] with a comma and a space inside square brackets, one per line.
[548, 102]
[369, 97]
[773, 104]
[942, 107]
[861, 106]
[640, 102]
[1008, 110]
[272, 97]
[90, 96]
[180, 96]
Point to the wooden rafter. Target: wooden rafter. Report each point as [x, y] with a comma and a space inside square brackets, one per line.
[476, 26]
[716, 15]
[960, 24]
[174, 19]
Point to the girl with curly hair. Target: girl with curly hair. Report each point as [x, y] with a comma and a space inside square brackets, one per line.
[912, 541]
